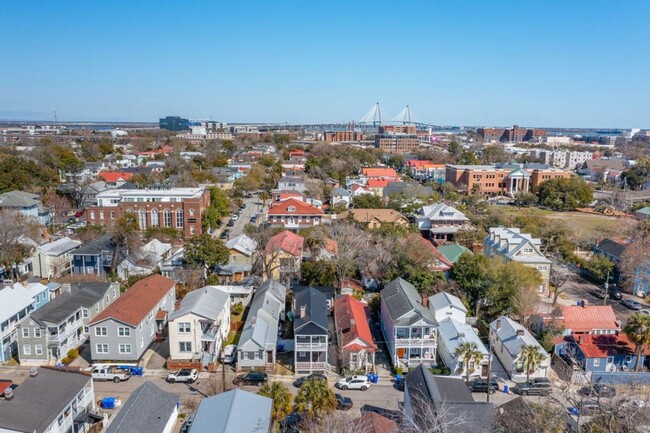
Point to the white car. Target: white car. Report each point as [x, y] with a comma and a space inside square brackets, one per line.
[229, 354]
[185, 375]
[354, 382]
[234, 217]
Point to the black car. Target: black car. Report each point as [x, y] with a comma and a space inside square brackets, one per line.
[243, 206]
[230, 223]
[533, 388]
[481, 385]
[291, 423]
[314, 376]
[611, 293]
[597, 390]
[224, 234]
[252, 378]
[343, 403]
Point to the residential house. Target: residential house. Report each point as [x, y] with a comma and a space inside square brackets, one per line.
[174, 266]
[124, 330]
[372, 422]
[641, 283]
[148, 410]
[394, 188]
[27, 204]
[613, 249]
[53, 401]
[434, 261]
[199, 326]
[380, 173]
[292, 183]
[444, 305]
[258, 341]
[643, 213]
[428, 398]
[408, 325]
[440, 222]
[374, 218]
[144, 260]
[507, 338]
[354, 338]
[95, 257]
[311, 331]
[341, 197]
[50, 333]
[240, 293]
[240, 263]
[377, 186]
[294, 214]
[452, 252]
[599, 169]
[235, 411]
[54, 259]
[283, 256]
[357, 190]
[424, 171]
[512, 245]
[16, 303]
[115, 179]
[589, 319]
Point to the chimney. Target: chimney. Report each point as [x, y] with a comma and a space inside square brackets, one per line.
[303, 311]
[461, 335]
[425, 301]
[498, 323]
[585, 303]
[25, 284]
[66, 288]
[353, 323]
[520, 332]
[580, 339]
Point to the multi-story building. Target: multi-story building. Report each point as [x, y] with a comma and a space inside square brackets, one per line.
[331, 136]
[501, 179]
[50, 332]
[293, 214]
[424, 170]
[174, 123]
[54, 259]
[95, 257]
[512, 245]
[283, 256]
[27, 204]
[354, 337]
[310, 329]
[439, 221]
[178, 208]
[397, 143]
[124, 330]
[516, 134]
[565, 158]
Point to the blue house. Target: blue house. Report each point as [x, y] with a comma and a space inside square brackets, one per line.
[26, 203]
[613, 250]
[94, 257]
[602, 353]
[641, 285]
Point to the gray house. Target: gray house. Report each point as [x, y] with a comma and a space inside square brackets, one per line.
[148, 410]
[94, 257]
[51, 331]
[235, 411]
[124, 331]
[260, 334]
[310, 329]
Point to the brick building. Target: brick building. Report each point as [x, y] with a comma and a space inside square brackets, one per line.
[178, 208]
[294, 214]
[515, 134]
[501, 179]
[331, 136]
[397, 139]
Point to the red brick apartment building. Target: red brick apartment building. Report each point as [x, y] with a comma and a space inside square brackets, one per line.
[515, 134]
[397, 139]
[331, 136]
[500, 179]
[178, 208]
[293, 214]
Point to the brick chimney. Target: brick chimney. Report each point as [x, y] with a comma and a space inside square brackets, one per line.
[303, 311]
[498, 324]
[520, 332]
[425, 301]
[585, 303]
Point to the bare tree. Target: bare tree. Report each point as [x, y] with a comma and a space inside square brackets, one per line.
[17, 234]
[352, 246]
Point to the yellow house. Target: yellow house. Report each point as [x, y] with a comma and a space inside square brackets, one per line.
[283, 256]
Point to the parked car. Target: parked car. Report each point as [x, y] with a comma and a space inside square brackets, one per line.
[632, 304]
[586, 407]
[611, 293]
[231, 222]
[249, 195]
[314, 376]
[644, 311]
[79, 213]
[343, 403]
[481, 385]
[291, 423]
[234, 217]
[224, 234]
[187, 424]
[229, 354]
[597, 390]
[254, 219]
[185, 375]
[243, 206]
[533, 388]
[251, 378]
[354, 382]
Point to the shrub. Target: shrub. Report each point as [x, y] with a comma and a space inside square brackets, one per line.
[442, 371]
[73, 353]
[237, 309]
[66, 360]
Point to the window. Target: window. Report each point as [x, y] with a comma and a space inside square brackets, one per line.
[597, 362]
[191, 212]
[184, 327]
[84, 313]
[142, 219]
[25, 332]
[37, 332]
[123, 331]
[191, 230]
[38, 349]
[112, 214]
[114, 293]
[179, 218]
[185, 346]
[124, 348]
[154, 218]
[27, 349]
[101, 331]
[107, 299]
[92, 214]
[97, 308]
[628, 359]
[101, 348]
[167, 218]
[101, 215]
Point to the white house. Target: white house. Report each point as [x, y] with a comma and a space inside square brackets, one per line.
[444, 305]
[54, 259]
[341, 196]
[144, 260]
[507, 338]
[199, 327]
[440, 221]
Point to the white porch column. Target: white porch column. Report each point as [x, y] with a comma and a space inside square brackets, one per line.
[527, 184]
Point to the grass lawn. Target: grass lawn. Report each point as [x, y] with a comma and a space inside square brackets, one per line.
[233, 337]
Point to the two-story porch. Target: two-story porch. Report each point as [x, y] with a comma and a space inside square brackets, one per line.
[311, 353]
[211, 341]
[415, 345]
[69, 334]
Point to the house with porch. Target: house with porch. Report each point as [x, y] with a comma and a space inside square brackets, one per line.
[311, 331]
[94, 257]
[341, 197]
[293, 214]
[408, 326]
[354, 338]
[199, 326]
[144, 260]
[28, 204]
[440, 222]
[588, 319]
[54, 259]
[507, 338]
[283, 256]
[613, 249]
[47, 334]
[16, 303]
[259, 337]
[124, 330]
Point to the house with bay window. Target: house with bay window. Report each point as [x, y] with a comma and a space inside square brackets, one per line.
[124, 330]
[409, 327]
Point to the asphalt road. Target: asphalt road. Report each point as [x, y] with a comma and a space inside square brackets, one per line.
[252, 208]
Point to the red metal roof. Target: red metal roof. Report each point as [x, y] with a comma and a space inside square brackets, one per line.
[352, 324]
[378, 183]
[286, 241]
[380, 172]
[604, 345]
[299, 208]
[585, 319]
[114, 176]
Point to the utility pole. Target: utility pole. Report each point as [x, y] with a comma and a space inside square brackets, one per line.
[489, 372]
[606, 289]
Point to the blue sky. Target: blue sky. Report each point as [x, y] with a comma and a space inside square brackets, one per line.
[551, 63]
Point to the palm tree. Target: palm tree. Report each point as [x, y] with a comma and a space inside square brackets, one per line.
[531, 356]
[468, 352]
[315, 398]
[281, 399]
[638, 331]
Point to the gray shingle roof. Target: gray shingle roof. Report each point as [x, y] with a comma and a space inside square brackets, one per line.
[19, 199]
[206, 302]
[235, 411]
[507, 334]
[96, 246]
[147, 411]
[314, 319]
[81, 295]
[404, 303]
[443, 300]
[39, 400]
[261, 327]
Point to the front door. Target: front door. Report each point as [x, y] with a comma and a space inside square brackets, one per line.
[400, 352]
[269, 357]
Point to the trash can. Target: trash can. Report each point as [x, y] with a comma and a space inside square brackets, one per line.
[375, 378]
[137, 371]
[505, 389]
[108, 403]
[398, 378]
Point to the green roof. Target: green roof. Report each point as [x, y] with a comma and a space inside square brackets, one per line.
[645, 210]
[453, 251]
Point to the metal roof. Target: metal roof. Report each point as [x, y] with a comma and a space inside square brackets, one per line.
[507, 334]
[80, 295]
[235, 411]
[148, 410]
[206, 302]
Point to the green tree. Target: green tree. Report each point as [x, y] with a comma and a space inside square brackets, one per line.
[468, 353]
[493, 154]
[467, 158]
[471, 272]
[638, 331]
[281, 397]
[513, 289]
[454, 149]
[206, 251]
[315, 398]
[317, 273]
[565, 194]
[531, 356]
[125, 234]
[599, 266]
[218, 209]
[424, 280]
[366, 201]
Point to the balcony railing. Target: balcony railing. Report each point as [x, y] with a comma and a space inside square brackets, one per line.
[300, 366]
[311, 346]
[426, 341]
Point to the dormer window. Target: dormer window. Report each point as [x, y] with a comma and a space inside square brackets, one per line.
[291, 209]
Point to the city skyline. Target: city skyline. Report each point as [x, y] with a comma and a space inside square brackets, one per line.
[538, 65]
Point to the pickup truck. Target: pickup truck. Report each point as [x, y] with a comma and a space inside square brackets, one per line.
[111, 373]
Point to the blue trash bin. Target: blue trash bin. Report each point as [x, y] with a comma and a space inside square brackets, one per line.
[375, 378]
[398, 378]
[505, 389]
[108, 403]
